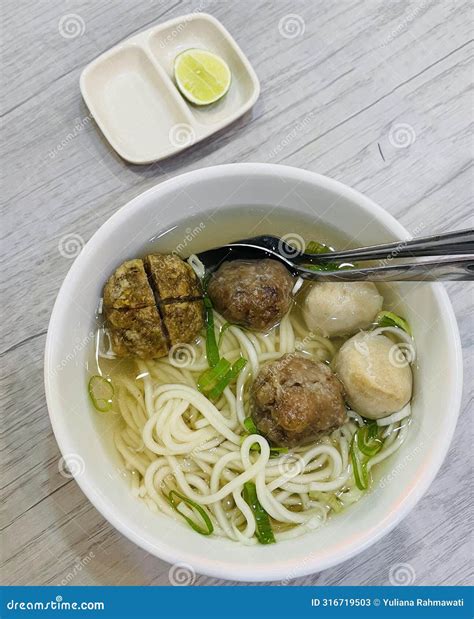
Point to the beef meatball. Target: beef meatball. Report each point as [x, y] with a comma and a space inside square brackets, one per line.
[152, 304]
[254, 294]
[341, 308]
[376, 382]
[296, 400]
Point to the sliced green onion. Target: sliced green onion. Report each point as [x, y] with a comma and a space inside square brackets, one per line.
[359, 467]
[277, 451]
[205, 280]
[250, 426]
[213, 381]
[101, 392]
[224, 328]
[329, 266]
[326, 266]
[212, 350]
[231, 373]
[212, 376]
[203, 530]
[313, 247]
[330, 499]
[254, 446]
[390, 319]
[367, 440]
[263, 530]
[373, 429]
[274, 451]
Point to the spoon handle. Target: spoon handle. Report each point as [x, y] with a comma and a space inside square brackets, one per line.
[449, 269]
[449, 243]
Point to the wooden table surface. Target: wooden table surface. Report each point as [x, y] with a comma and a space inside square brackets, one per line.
[375, 94]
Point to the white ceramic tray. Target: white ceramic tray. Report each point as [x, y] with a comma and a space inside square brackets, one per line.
[132, 96]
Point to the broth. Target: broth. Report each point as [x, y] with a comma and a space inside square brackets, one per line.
[212, 229]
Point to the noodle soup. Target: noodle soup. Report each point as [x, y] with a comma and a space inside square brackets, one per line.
[283, 428]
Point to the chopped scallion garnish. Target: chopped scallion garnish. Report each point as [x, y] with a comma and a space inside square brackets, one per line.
[390, 319]
[324, 266]
[274, 451]
[250, 426]
[224, 328]
[211, 377]
[214, 380]
[212, 350]
[230, 375]
[329, 498]
[203, 530]
[328, 266]
[313, 247]
[365, 442]
[277, 451]
[101, 393]
[263, 529]
[359, 467]
[368, 441]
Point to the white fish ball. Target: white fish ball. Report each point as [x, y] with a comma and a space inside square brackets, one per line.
[376, 380]
[341, 308]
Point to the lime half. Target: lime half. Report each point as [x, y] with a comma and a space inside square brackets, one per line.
[201, 76]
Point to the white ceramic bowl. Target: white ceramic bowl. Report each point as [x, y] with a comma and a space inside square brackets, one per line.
[399, 485]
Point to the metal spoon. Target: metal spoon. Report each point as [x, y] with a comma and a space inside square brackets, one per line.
[457, 246]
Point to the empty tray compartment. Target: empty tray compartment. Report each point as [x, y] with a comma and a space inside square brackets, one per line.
[134, 104]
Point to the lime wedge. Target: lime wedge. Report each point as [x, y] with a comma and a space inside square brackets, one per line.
[201, 76]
